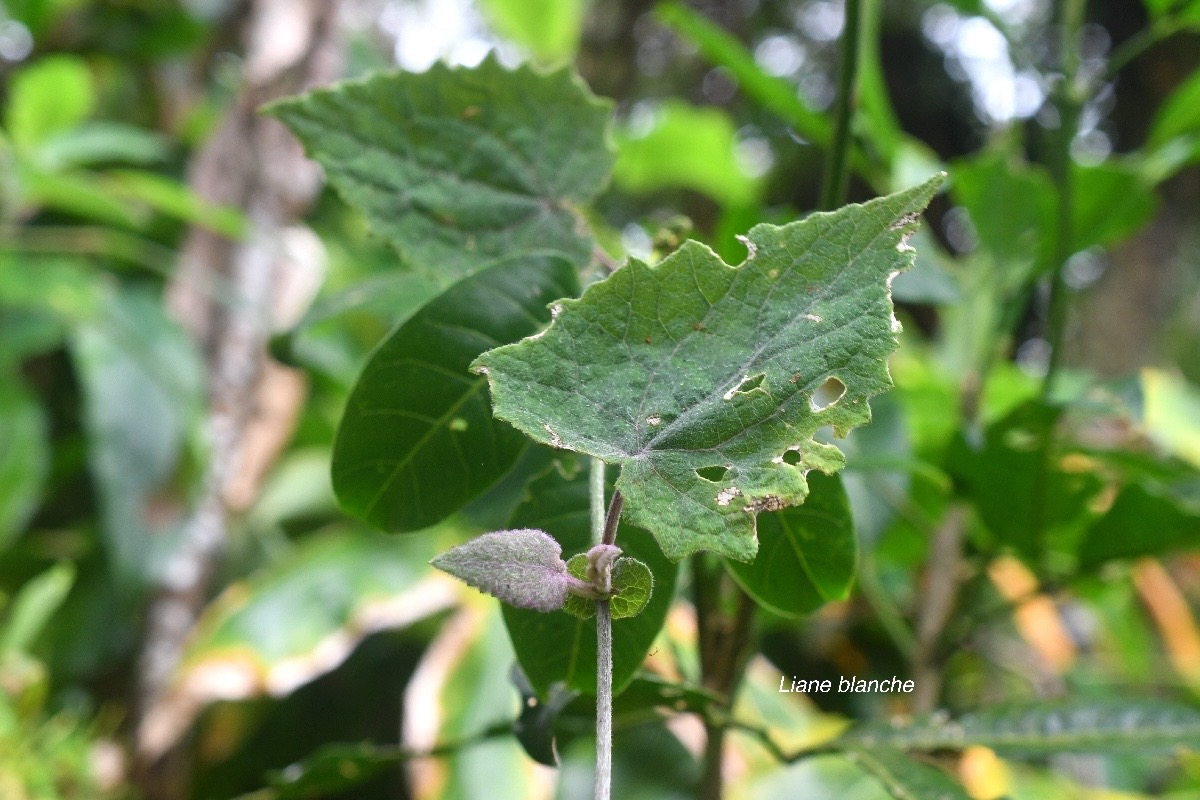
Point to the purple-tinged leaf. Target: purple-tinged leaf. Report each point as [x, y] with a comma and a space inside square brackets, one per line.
[524, 568]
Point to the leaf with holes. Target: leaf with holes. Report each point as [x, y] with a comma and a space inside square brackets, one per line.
[694, 366]
[460, 167]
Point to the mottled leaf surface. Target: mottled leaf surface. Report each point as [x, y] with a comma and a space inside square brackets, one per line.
[523, 568]
[698, 378]
[458, 167]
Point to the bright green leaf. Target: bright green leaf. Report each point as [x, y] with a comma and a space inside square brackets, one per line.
[418, 440]
[699, 378]
[33, 606]
[51, 95]
[632, 586]
[905, 778]
[560, 647]
[722, 49]
[1084, 725]
[688, 147]
[1179, 115]
[1171, 413]
[458, 168]
[547, 28]
[806, 554]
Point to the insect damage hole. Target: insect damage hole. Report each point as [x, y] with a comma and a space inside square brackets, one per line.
[712, 474]
[745, 386]
[791, 457]
[827, 394]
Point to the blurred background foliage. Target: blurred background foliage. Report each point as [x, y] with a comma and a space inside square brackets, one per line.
[1071, 558]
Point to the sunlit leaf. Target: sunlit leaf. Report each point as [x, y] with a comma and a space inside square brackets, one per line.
[699, 379]
[51, 95]
[688, 147]
[547, 28]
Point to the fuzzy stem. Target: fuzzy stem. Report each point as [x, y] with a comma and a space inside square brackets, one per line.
[837, 168]
[604, 530]
[603, 700]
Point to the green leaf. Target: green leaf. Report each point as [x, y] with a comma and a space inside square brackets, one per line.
[906, 778]
[1140, 522]
[418, 440]
[175, 199]
[1112, 202]
[52, 95]
[1085, 725]
[632, 586]
[722, 49]
[1011, 205]
[688, 147]
[1178, 116]
[101, 142]
[33, 606]
[559, 647]
[806, 554]
[460, 167]
[1018, 491]
[699, 378]
[547, 28]
[523, 568]
[143, 392]
[24, 454]
[331, 770]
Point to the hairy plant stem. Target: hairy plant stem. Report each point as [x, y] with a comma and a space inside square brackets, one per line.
[603, 786]
[836, 181]
[604, 531]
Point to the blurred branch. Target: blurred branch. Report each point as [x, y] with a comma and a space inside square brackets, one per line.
[251, 163]
[941, 590]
